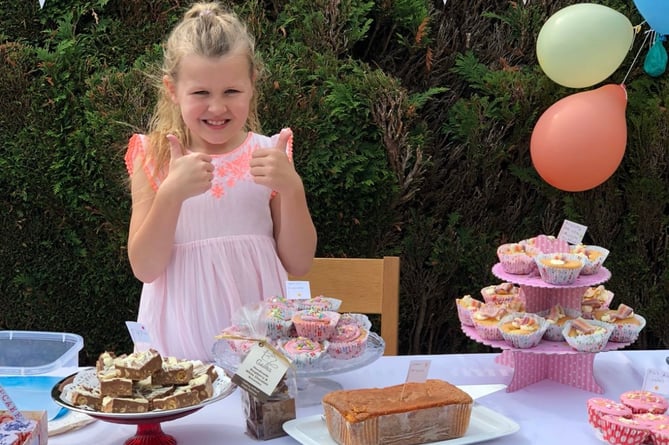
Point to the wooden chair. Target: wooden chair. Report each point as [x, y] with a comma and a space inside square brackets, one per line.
[365, 285]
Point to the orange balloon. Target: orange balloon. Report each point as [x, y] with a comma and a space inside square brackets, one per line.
[579, 142]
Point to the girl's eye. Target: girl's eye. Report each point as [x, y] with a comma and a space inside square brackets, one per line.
[231, 92]
[200, 93]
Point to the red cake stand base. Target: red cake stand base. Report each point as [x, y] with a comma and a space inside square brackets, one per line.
[150, 434]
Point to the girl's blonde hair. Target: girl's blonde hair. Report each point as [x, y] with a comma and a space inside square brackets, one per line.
[206, 30]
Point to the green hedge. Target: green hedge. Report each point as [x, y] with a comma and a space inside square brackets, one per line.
[412, 122]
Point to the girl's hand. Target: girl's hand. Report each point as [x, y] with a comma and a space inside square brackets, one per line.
[189, 174]
[272, 168]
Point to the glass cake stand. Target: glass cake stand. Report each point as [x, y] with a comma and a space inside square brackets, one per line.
[149, 431]
[312, 381]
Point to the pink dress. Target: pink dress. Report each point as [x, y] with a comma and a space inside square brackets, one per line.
[224, 255]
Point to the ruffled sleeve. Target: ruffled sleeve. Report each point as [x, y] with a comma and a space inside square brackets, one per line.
[137, 150]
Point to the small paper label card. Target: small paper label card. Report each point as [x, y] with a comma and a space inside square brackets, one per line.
[298, 290]
[138, 333]
[572, 232]
[261, 371]
[418, 370]
[656, 381]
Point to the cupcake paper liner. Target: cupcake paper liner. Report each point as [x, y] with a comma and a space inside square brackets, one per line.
[553, 330]
[521, 263]
[600, 406]
[317, 330]
[627, 332]
[523, 341]
[558, 275]
[588, 343]
[618, 430]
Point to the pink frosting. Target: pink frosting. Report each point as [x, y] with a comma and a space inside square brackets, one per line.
[302, 345]
[644, 402]
[346, 332]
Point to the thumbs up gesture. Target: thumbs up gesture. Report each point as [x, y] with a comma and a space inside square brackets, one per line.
[272, 168]
[190, 174]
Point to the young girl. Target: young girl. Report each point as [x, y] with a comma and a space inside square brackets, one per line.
[219, 214]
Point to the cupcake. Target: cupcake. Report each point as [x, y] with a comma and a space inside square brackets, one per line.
[486, 320]
[640, 401]
[465, 306]
[593, 257]
[319, 303]
[349, 341]
[618, 430]
[556, 317]
[517, 259]
[587, 335]
[237, 338]
[650, 420]
[627, 324]
[522, 330]
[501, 293]
[303, 352]
[281, 302]
[600, 406]
[595, 298]
[547, 244]
[279, 323]
[659, 434]
[559, 268]
[361, 320]
[315, 324]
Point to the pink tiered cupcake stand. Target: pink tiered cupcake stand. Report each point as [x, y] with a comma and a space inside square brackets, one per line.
[549, 360]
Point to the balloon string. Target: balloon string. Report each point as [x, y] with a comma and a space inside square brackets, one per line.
[636, 57]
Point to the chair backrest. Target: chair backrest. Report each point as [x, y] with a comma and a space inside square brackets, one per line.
[365, 285]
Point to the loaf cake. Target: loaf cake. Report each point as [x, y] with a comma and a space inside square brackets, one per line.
[412, 413]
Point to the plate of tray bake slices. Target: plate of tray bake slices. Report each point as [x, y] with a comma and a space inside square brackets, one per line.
[87, 378]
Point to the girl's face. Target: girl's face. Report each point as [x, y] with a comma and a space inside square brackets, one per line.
[214, 95]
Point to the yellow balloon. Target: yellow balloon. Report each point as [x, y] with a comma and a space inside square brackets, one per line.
[583, 44]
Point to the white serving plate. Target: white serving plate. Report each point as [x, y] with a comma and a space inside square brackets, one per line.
[485, 424]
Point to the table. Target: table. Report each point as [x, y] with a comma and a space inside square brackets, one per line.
[548, 412]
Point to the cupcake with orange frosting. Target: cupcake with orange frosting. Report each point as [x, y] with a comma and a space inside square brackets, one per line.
[501, 293]
[556, 317]
[593, 257]
[465, 306]
[627, 324]
[587, 335]
[595, 298]
[486, 320]
[517, 259]
[522, 330]
[559, 268]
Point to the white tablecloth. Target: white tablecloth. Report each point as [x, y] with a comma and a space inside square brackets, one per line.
[547, 412]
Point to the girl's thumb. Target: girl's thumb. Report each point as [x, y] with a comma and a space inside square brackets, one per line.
[176, 150]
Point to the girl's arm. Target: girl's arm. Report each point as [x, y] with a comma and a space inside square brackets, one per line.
[155, 214]
[294, 230]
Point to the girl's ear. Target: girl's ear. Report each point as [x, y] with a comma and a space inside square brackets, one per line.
[171, 89]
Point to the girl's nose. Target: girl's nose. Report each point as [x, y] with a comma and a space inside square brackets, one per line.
[218, 105]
